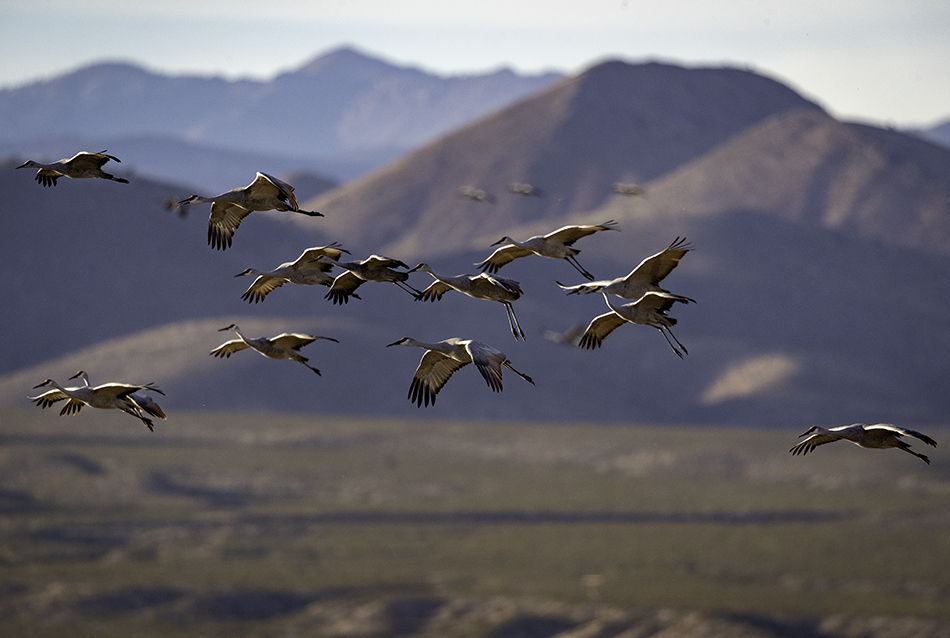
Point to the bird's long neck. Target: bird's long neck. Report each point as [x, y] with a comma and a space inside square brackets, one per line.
[610, 305]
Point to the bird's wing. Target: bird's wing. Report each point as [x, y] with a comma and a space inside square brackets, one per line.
[47, 176]
[378, 261]
[818, 438]
[48, 398]
[902, 432]
[117, 390]
[146, 404]
[435, 291]
[291, 341]
[570, 234]
[502, 256]
[261, 286]
[73, 406]
[510, 285]
[265, 185]
[598, 330]
[92, 160]
[655, 268]
[224, 220]
[658, 301]
[228, 348]
[310, 254]
[343, 287]
[434, 371]
[488, 360]
[584, 288]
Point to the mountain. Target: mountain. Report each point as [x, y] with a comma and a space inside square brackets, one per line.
[819, 267]
[344, 109]
[938, 133]
[615, 122]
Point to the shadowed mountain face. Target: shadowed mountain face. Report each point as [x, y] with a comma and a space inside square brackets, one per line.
[613, 123]
[344, 112]
[819, 267]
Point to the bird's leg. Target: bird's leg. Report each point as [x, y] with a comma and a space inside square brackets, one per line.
[523, 376]
[412, 291]
[312, 368]
[675, 349]
[907, 449]
[573, 261]
[513, 322]
[677, 341]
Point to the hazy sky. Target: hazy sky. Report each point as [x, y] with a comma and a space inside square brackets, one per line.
[881, 61]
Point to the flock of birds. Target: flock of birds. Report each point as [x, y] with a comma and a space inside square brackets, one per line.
[443, 358]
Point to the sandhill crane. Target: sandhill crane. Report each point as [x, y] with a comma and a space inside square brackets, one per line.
[306, 270]
[476, 194]
[649, 310]
[556, 245]
[482, 286]
[141, 401]
[108, 396]
[373, 268]
[642, 279]
[230, 208]
[620, 188]
[520, 188]
[283, 346]
[569, 337]
[879, 436]
[80, 166]
[443, 358]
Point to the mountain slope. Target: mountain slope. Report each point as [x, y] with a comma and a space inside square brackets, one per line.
[614, 122]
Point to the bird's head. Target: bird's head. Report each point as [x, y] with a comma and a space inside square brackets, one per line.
[44, 384]
[401, 342]
[423, 267]
[80, 374]
[813, 428]
[247, 272]
[231, 327]
[504, 240]
[28, 164]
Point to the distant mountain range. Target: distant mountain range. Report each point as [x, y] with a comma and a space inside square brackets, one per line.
[341, 114]
[820, 267]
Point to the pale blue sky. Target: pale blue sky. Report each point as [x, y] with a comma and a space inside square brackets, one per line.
[880, 61]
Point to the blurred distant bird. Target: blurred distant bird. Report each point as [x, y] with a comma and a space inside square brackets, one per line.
[108, 396]
[556, 245]
[443, 358]
[476, 193]
[879, 436]
[567, 338]
[230, 208]
[306, 270]
[620, 188]
[79, 166]
[283, 346]
[520, 188]
[642, 279]
[649, 310]
[373, 268]
[483, 286]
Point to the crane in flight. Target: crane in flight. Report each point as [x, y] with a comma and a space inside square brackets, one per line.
[283, 346]
[82, 165]
[229, 209]
[879, 436]
[306, 270]
[373, 268]
[555, 245]
[443, 358]
[649, 310]
[108, 396]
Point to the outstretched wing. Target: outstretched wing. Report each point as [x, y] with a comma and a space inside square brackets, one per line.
[228, 348]
[48, 398]
[224, 220]
[503, 255]
[343, 288]
[655, 268]
[488, 360]
[266, 186]
[434, 292]
[812, 441]
[260, 288]
[570, 234]
[902, 432]
[291, 341]
[434, 371]
[598, 330]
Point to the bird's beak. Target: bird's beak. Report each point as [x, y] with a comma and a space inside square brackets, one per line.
[40, 385]
[241, 274]
[223, 329]
[394, 343]
[413, 269]
[24, 164]
[500, 241]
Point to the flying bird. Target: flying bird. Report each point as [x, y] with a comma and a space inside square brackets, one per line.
[444, 358]
[482, 286]
[879, 436]
[306, 270]
[556, 245]
[642, 279]
[283, 346]
[373, 268]
[620, 188]
[476, 194]
[520, 188]
[230, 208]
[82, 165]
[143, 402]
[108, 396]
[649, 310]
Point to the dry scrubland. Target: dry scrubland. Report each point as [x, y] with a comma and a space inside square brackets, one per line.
[268, 525]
